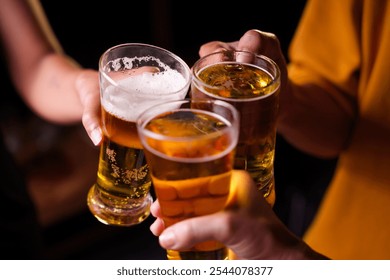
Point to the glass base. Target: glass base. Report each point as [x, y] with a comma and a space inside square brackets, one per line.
[107, 211]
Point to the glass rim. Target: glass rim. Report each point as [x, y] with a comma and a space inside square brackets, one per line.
[198, 82]
[125, 45]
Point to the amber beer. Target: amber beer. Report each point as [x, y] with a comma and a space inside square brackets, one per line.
[190, 151]
[133, 77]
[251, 84]
[123, 179]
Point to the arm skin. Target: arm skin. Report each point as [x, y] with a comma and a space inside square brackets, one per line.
[50, 83]
[248, 227]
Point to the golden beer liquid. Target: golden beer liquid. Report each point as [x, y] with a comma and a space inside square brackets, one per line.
[251, 90]
[188, 188]
[122, 176]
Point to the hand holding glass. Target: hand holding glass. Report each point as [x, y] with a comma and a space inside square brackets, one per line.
[133, 77]
[251, 83]
[189, 146]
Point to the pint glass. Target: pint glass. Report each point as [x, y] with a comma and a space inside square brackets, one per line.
[251, 84]
[132, 77]
[189, 146]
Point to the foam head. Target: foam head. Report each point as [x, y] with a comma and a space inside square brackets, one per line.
[127, 98]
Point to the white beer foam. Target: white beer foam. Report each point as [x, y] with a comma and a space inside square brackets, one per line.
[143, 91]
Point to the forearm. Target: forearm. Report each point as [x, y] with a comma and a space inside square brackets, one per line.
[315, 120]
[43, 76]
[51, 92]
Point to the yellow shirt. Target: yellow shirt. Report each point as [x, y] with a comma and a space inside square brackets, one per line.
[347, 44]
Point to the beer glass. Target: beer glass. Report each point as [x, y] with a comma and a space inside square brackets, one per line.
[132, 78]
[189, 146]
[251, 83]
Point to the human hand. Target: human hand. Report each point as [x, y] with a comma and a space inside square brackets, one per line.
[255, 41]
[87, 86]
[248, 226]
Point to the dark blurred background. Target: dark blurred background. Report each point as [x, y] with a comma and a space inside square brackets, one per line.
[60, 161]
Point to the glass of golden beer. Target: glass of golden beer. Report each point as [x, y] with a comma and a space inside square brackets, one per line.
[189, 146]
[251, 83]
[132, 78]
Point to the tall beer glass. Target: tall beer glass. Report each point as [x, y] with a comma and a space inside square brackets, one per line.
[189, 146]
[133, 77]
[250, 83]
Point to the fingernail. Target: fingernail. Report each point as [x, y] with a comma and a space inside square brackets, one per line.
[167, 239]
[96, 136]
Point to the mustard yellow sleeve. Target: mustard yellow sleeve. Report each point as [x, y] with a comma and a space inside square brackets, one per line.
[323, 71]
[327, 43]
